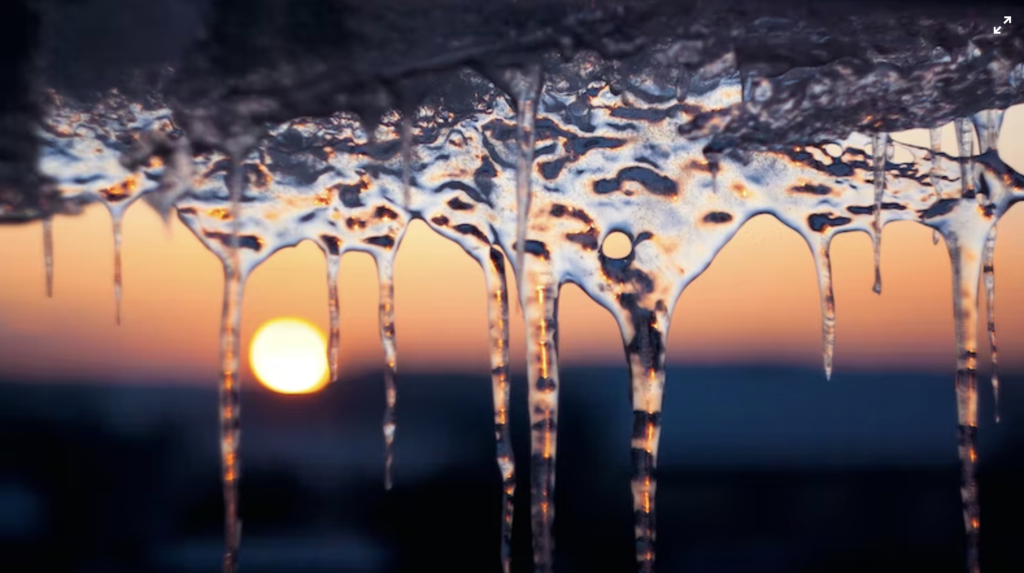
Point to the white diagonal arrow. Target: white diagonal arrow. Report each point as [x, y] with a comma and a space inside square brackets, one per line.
[1006, 20]
[997, 29]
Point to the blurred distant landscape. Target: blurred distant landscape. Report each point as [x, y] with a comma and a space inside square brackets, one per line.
[762, 469]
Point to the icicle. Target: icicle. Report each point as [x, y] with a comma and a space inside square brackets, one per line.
[334, 342]
[965, 147]
[966, 270]
[989, 272]
[988, 123]
[116, 215]
[644, 340]
[526, 139]
[880, 147]
[497, 312]
[935, 144]
[540, 301]
[48, 254]
[406, 136]
[172, 151]
[935, 139]
[823, 264]
[230, 392]
[385, 277]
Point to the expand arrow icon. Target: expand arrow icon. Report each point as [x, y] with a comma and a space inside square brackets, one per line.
[997, 29]
[1006, 20]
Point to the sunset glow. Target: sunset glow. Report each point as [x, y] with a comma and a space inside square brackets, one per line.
[289, 355]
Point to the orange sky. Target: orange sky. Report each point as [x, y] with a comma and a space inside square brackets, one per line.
[757, 302]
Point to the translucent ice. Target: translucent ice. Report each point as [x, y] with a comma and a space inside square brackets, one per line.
[540, 178]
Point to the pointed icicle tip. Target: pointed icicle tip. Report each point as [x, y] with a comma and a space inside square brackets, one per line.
[823, 265]
[539, 307]
[230, 391]
[646, 360]
[230, 424]
[966, 253]
[497, 313]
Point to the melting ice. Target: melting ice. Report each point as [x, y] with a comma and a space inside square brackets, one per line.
[539, 179]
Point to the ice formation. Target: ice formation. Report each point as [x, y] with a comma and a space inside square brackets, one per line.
[537, 165]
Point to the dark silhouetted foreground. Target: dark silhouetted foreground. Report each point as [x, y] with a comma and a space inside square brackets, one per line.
[763, 470]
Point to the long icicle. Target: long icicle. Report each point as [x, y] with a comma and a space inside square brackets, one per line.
[48, 254]
[966, 276]
[823, 264]
[880, 147]
[386, 308]
[526, 140]
[116, 215]
[230, 391]
[334, 339]
[644, 342]
[497, 314]
[540, 303]
[988, 124]
[989, 273]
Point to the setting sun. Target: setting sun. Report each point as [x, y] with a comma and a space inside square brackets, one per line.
[289, 355]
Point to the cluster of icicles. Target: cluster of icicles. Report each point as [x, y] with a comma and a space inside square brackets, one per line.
[541, 178]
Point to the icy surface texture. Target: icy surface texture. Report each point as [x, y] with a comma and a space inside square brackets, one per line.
[537, 161]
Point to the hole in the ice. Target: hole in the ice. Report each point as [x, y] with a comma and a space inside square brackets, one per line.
[617, 245]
